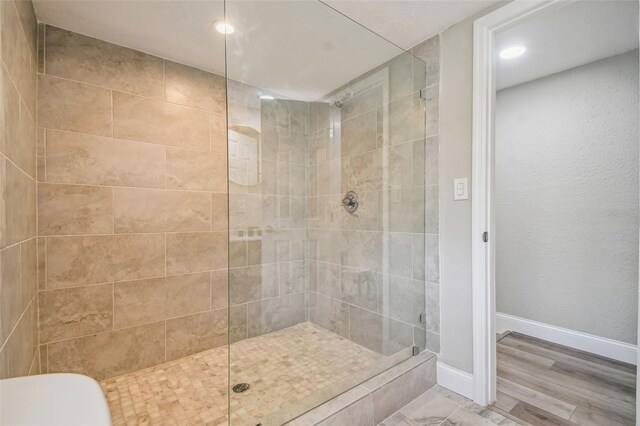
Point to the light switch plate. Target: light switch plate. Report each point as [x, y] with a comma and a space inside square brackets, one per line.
[460, 189]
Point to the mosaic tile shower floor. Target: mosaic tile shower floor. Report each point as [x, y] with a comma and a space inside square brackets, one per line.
[282, 368]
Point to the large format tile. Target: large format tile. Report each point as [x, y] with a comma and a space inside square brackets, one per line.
[17, 53]
[403, 389]
[72, 106]
[268, 315]
[74, 209]
[18, 131]
[196, 333]
[252, 283]
[75, 312]
[17, 204]
[379, 333]
[155, 210]
[89, 60]
[17, 354]
[195, 88]
[96, 160]
[74, 261]
[10, 290]
[402, 299]
[154, 299]
[159, 122]
[109, 354]
[328, 313]
[359, 133]
[196, 252]
[28, 270]
[188, 169]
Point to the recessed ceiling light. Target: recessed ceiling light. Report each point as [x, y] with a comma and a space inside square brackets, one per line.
[224, 28]
[267, 97]
[512, 52]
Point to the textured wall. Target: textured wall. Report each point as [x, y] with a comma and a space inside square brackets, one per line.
[131, 207]
[18, 254]
[567, 199]
[367, 270]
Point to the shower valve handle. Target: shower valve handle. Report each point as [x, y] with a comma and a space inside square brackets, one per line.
[350, 202]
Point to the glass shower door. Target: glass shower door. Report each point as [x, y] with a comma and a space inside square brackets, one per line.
[326, 148]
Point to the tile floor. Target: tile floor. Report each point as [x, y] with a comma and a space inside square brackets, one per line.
[440, 406]
[282, 367]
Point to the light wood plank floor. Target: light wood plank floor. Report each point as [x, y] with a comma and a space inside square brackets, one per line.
[542, 383]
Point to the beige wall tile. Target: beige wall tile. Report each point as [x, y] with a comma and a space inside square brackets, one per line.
[74, 209]
[196, 333]
[265, 316]
[29, 22]
[144, 301]
[73, 106]
[41, 164]
[196, 252]
[109, 354]
[17, 136]
[195, 88]
[89, 60]
[19, 350]
[159, 122]
[219, 214]
[219, 289]
[153, 210]
[187, 169]
[74, 312]
[28, 268]
[42, 264]
[17, 205]
[16, 53]
[75, 261]
[219, 133]
[97, 160]
[10, 290]
[359, 134]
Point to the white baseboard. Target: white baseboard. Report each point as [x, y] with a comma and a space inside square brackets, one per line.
[574, 339]
[455, 380]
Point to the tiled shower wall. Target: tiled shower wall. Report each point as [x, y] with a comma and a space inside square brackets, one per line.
[267, 211]
[132, 212]
[367, 269]
[18, 256]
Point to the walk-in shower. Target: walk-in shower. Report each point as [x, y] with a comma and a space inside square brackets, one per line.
[326, 206]
[226, 248]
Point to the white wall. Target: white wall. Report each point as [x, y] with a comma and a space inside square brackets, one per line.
[567, 199]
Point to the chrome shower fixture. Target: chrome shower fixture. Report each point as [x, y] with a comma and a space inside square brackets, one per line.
[340, 100]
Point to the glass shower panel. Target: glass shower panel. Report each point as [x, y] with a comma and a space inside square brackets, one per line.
[326, 157]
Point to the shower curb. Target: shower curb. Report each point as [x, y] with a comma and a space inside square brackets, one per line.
[374, 400]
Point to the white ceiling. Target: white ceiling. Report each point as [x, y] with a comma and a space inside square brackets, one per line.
[574, 35]
[298, 48]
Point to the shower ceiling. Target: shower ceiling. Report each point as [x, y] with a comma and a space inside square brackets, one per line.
[183, 31]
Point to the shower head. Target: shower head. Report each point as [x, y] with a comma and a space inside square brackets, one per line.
[340, 100]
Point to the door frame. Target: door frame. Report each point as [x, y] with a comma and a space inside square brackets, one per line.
[483, 177]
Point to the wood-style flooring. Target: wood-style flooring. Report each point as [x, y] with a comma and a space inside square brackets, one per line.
[542, 383]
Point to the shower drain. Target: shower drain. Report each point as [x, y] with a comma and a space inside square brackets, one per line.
[241, 387]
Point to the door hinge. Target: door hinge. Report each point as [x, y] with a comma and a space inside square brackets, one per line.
[423, 94]
[423, 318]
[485, 236]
